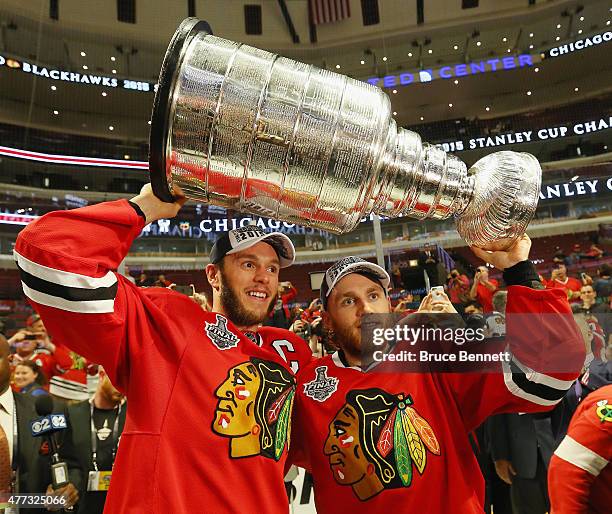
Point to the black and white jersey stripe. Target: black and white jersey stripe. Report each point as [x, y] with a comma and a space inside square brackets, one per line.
[532, 385]
[65, 290]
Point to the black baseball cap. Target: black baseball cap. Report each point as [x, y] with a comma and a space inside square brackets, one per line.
[350, 265]
[239, 239]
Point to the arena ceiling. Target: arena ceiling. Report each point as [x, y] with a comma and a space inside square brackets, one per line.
[502, 28]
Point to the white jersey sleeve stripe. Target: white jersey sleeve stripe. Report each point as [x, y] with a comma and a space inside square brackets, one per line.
[575, 453]
[82, 306]
[63, 278]
[540, 378]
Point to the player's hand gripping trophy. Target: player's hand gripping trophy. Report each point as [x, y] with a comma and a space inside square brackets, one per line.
[249, 130]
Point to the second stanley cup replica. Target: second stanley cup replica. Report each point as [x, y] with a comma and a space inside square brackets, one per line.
[249, 130]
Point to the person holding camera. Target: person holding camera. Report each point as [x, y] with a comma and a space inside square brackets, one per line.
[34, 344]
[560, 279]
[458, 287]
[483, 289]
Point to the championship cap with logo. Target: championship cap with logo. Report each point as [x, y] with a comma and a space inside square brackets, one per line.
[239, 239]
[350, 265]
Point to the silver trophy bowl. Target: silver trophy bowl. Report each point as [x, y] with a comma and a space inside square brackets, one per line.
[252, 131]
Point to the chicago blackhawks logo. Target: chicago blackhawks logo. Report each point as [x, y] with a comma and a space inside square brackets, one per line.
[604, 411]
[322, 387]
[375, 440]
[221, 336]
[254, 409]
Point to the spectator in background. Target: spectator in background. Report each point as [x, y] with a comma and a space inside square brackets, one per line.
[483, 289]
[594, 252]
[162, 281]
[570, 285]
[496, 321]
[28, 379]
[144, 280]
[126, 274]
[521, 446]
[560, 258]
[603, 284]
[106, 414]
[33, 343]
[31, 464]
[458, 287]
[280, 316]
[601, 312]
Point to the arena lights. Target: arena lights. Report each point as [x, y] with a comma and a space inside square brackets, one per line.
[337, 66]
[530, 47]
[528, 93]
[580, 31]
[450, 105]
[422, 118]
[478, 43]
[394, 113]
[504, 39]
[487, 108]
[85, 67]
[576, 89]
[558, 25]
[456, 82]
[56, 112]
[113, 58]
[557, 38]
[410, 53]
[430, 51]
[111, 128]
[531, 34]
[395, 91]
[114, 72]
[83, 54]
[536, 69]
[581, 18]
[456, 47]
[53, 88]
[385, 58]
[362, 61]
[103, 93]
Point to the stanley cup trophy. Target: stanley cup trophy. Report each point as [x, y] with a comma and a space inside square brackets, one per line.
[249, 130]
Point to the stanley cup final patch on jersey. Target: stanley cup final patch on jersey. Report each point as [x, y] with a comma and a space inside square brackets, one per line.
[322, 387]
[221, 336]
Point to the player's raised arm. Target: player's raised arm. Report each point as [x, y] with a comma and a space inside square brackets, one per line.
[68, 262]
[547, 351]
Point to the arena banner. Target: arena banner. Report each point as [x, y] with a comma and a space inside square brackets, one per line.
[405, 78]
[514, 137]
[580, 44]
[208, 227]
[89, 79]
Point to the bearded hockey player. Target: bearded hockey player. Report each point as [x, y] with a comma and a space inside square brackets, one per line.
[379, 442]
[210, 393]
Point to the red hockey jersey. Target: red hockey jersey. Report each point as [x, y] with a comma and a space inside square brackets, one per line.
[580, 474]
[379, 442]
[207, 427]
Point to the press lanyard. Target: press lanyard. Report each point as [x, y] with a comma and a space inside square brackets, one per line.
[94, 439]
[15, 462]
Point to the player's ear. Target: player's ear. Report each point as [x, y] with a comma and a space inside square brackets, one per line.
[213, 275]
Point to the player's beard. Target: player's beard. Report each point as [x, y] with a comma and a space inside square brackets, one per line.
[236, 311]
[348, 340]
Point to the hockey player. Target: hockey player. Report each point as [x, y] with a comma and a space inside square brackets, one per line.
[580, 474]
[207, 428]
[381, 442]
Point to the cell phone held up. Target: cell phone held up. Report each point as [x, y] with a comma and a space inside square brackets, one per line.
[186, 290]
